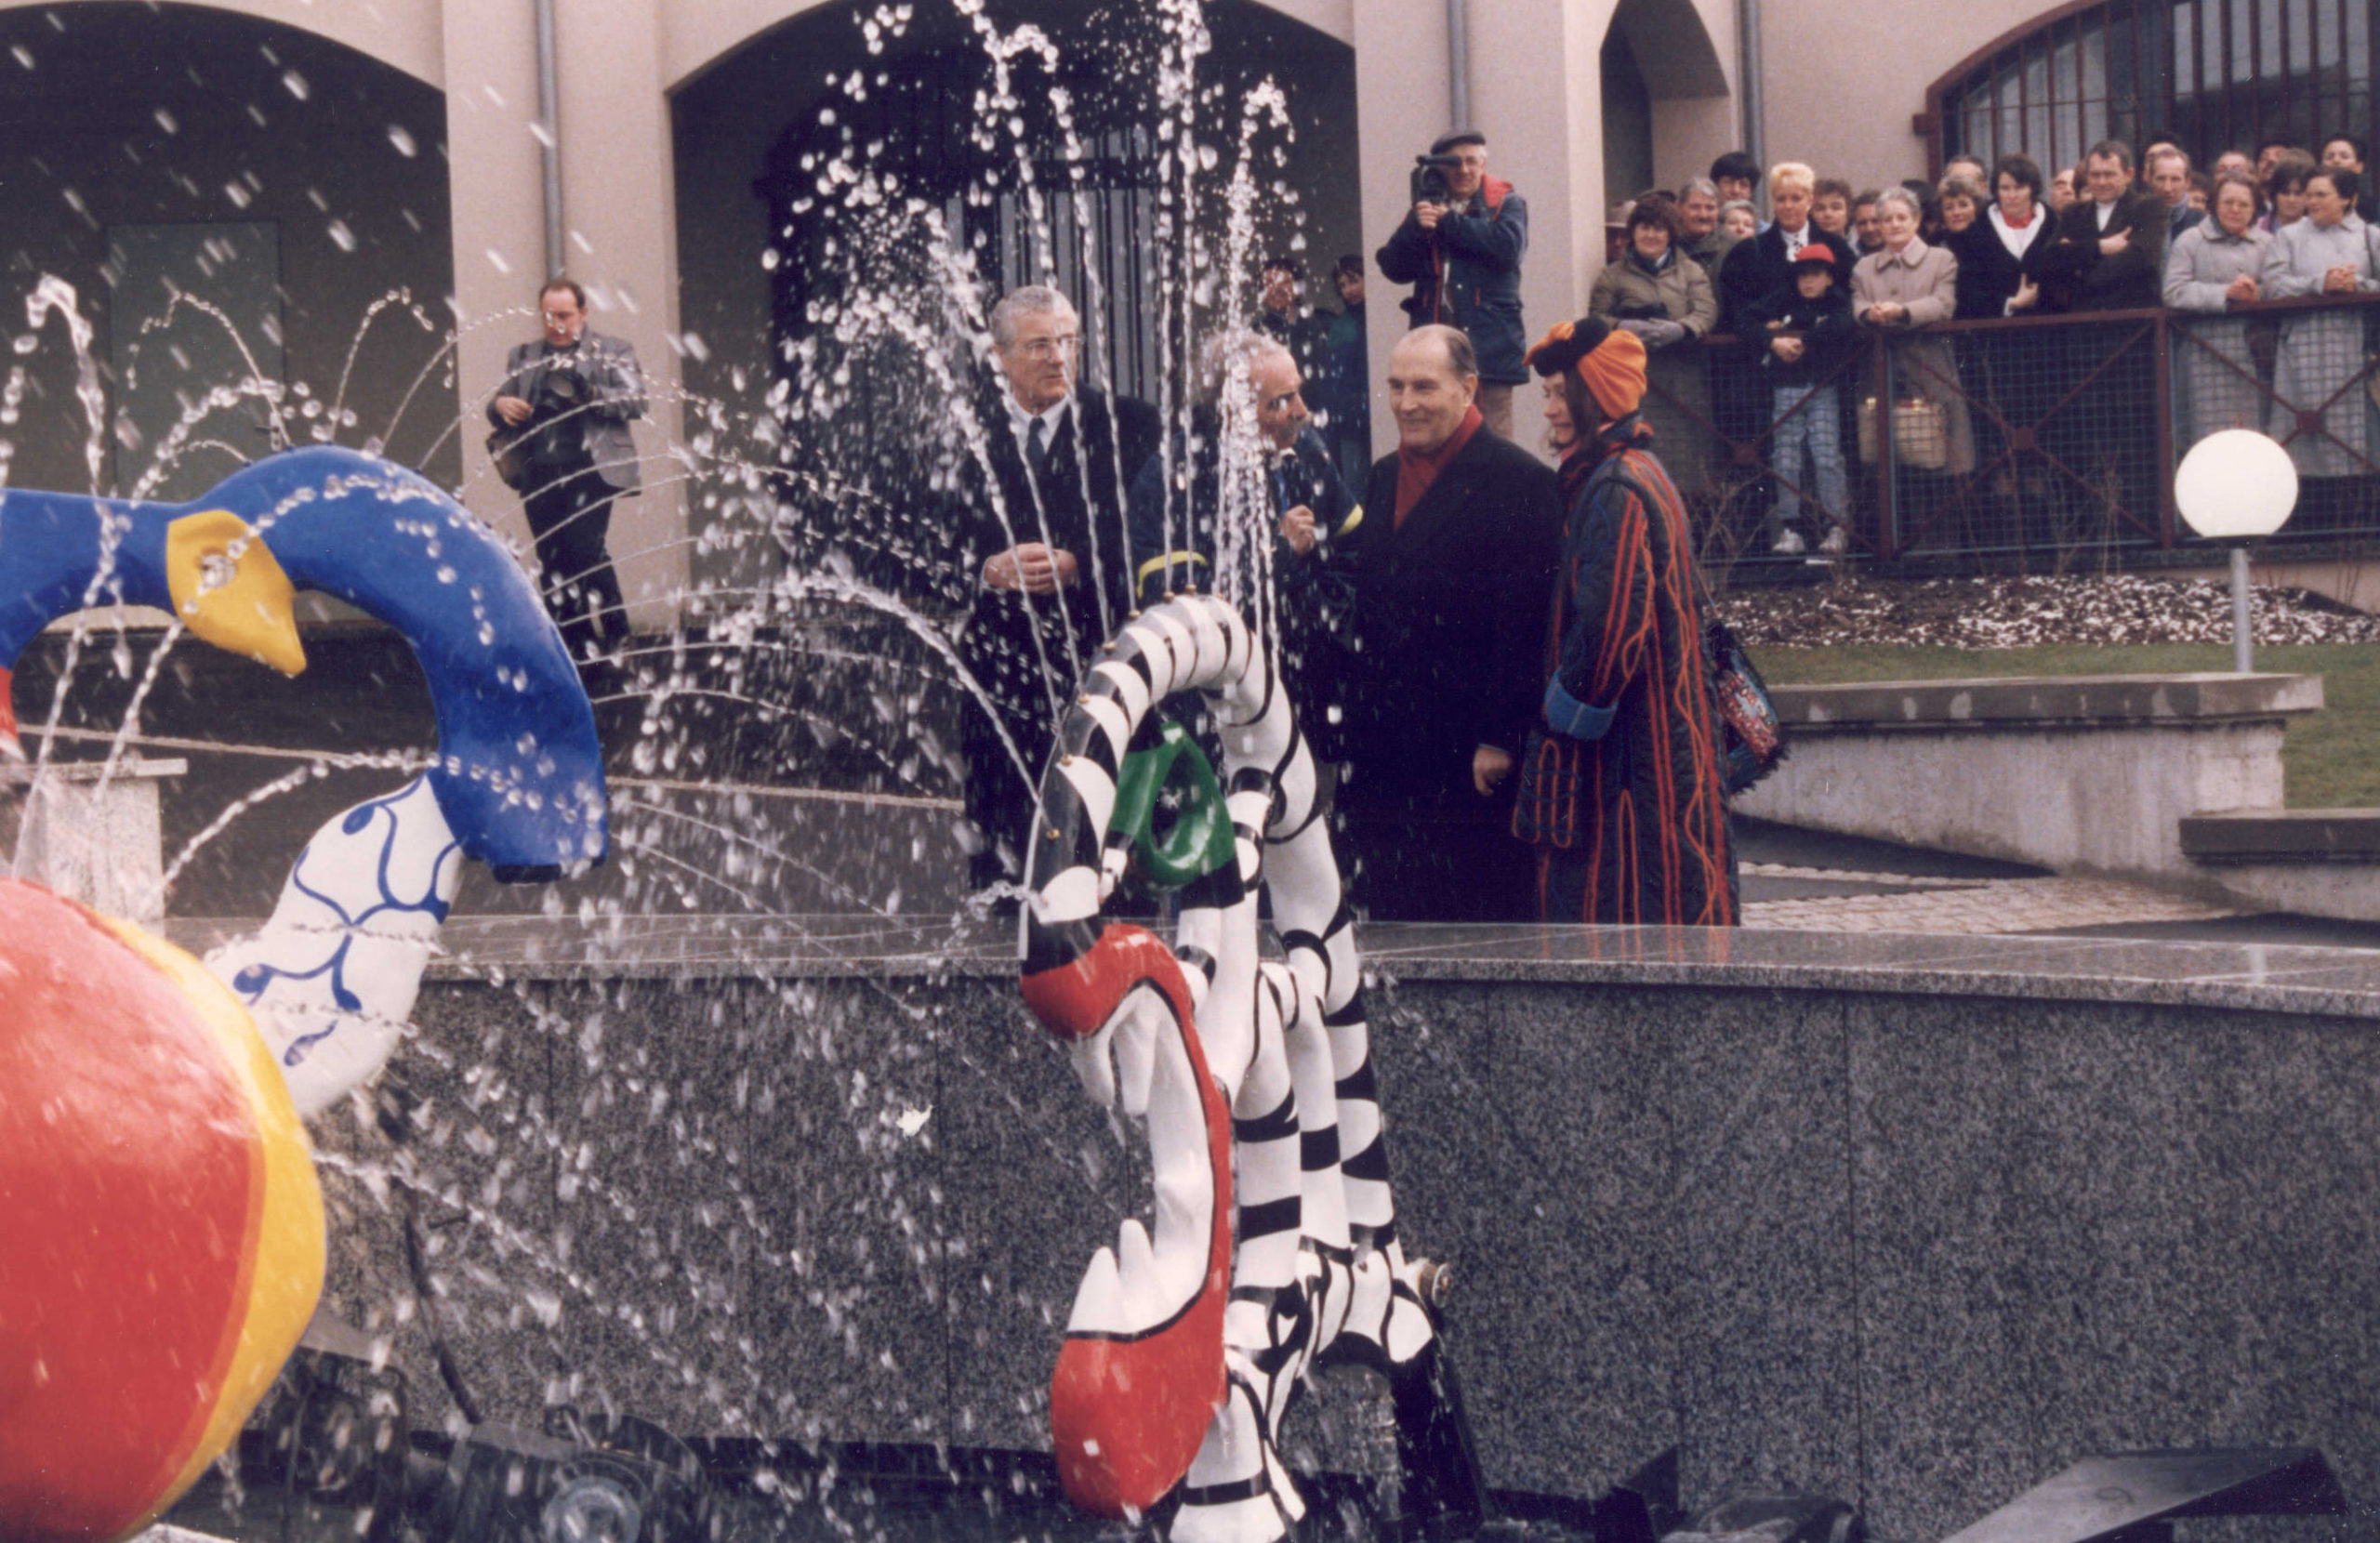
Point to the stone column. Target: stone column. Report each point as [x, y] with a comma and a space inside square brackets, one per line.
[619, 209]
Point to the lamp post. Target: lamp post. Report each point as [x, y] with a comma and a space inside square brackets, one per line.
[2235, 486]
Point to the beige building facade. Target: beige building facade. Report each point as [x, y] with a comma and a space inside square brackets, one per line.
[668, 114]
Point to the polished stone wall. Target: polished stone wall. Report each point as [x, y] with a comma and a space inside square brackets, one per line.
[1916, 1233]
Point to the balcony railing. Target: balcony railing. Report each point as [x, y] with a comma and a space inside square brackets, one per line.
[2042, 442]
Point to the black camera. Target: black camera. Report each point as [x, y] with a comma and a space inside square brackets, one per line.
[1430, 178]
[553, 438]
[561, 390]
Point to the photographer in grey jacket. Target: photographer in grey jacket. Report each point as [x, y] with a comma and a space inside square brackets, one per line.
[565, 408]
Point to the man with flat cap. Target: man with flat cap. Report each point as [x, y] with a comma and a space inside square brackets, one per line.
[1463, 260]
[1622, 789]
[1449, 570]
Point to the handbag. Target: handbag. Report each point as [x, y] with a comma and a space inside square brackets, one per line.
[504, 447]
[1921, 433]
[1751, 735]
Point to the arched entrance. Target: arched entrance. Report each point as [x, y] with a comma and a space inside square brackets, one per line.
[786, 282]
[285, 179]
[1655, 52]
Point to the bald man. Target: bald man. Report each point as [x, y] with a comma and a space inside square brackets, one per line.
[1452, 568]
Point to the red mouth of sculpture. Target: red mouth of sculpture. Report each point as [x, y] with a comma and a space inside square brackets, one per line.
[1142, 1372]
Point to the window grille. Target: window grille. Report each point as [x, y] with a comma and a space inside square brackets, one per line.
[2218, 74]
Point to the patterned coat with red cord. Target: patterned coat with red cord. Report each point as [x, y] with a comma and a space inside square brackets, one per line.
[1622, 786]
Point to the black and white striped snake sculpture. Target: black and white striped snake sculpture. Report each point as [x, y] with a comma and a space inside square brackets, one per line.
[1183, 1351]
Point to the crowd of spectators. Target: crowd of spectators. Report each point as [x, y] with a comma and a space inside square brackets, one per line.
[1748, 348]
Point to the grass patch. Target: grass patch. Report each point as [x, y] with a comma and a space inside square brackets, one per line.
[2331, 757]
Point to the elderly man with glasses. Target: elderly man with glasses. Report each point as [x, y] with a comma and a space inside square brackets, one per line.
[1045, 546]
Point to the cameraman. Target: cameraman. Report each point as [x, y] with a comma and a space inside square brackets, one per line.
[1461, 249]
[565, 405]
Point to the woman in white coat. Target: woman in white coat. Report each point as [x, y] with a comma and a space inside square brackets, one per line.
[2321, 359]
[2212, 269]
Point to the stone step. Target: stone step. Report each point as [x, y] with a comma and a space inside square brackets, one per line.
[2283, 836]
[2109, 701]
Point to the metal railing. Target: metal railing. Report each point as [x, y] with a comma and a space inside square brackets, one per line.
[2043, 441]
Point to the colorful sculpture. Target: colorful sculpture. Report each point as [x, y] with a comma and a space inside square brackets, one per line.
[519, 780]
[161, 1234]
[162, 1229]
[1182, 1352]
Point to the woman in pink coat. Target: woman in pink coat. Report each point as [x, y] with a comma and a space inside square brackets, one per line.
[1908, 284]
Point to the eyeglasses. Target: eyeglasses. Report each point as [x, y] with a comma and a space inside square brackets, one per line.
[1051, 347]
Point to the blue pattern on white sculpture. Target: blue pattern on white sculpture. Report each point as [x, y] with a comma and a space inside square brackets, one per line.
[333, 976]
[517, 782]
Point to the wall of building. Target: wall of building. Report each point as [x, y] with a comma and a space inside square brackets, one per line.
[261, 124]
[1841, 89]
[1841, 94]
[404, 34]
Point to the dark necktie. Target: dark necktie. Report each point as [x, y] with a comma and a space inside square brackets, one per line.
[1037, 448]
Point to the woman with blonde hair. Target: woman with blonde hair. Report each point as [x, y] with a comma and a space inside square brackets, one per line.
[1759, 268]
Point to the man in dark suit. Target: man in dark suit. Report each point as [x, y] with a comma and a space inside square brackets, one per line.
[1201, 532]
[566, 402]
[1453, 572]
[2108, 250]
[2107, 253]
[1045, 554]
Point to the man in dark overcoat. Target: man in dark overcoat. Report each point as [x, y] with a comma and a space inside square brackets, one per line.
[1043, 550]
[2106, 253]
[1452, 568]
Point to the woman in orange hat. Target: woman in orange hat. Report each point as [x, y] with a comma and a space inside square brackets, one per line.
[1622, 788]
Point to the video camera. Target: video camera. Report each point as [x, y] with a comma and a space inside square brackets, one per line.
[1429, 183]
[552, 436]
[550, 442]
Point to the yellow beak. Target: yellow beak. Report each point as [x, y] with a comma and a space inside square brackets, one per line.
[228, 589]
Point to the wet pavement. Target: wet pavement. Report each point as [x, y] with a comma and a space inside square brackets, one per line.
[1813, 881]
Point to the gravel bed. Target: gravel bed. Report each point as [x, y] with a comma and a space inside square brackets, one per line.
[2024, 613]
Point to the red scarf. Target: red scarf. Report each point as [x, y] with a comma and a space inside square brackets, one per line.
[1416, 472]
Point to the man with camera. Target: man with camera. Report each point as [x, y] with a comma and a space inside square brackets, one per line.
[562, 442]
[1461, 249]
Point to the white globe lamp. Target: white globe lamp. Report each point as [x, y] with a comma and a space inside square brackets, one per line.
[2235, 485]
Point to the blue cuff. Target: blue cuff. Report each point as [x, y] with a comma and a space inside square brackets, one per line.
[1566, 715]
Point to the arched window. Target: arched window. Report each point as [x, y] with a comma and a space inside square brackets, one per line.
[2218, 74]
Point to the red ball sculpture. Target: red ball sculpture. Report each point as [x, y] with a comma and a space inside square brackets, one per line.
[161, 1228]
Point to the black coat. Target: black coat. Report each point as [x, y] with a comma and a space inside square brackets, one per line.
[1467, 273]
[1079, 508]
[1825, 326]
[1988, 273]
[1448, 621]
[1757, 267]
[2077, 276]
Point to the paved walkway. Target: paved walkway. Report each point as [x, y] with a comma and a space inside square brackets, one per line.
[1833, 899]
